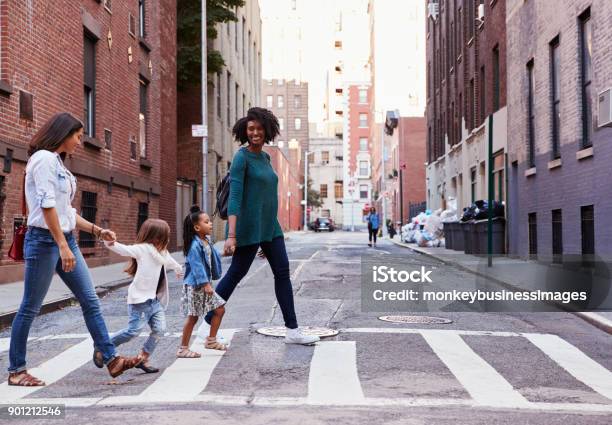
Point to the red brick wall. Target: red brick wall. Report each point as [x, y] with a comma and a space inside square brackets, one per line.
[41, 52]
[355, 132]
[289, 208]
[412, 153]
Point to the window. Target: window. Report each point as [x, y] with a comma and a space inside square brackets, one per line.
[498, 176]
[555, 97]
[323, 191]
[219, 94]
[311, 159]
[88, 212]
[363, 96]
[141, 19]
[269, 101]
[338, 190]
[557, 236]
[364, 169]
[429, 77]
[586, 74]
[281, 82]
[471, 106]
[143, 214]
[471, 18]
[229, 98]
[325, 157]
[363, 191]
[89, 120]
[363, 144]
[244, 104]
[236, 100]
[533, 233]
[459, 27]
[531, 114]
[281, 123]
[363, 120]
[482, 102]
[587, 226]
[297, 101]
[244, 41]
[108, 5]
[496, 82]
[338, 44]
[281, 101]
[473, 184]
[298, 124]
[142, 120]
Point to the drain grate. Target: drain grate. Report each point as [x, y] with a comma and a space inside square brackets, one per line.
[424, 320]
[281, 331]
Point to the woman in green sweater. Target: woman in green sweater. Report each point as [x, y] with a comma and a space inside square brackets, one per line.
[252, 217]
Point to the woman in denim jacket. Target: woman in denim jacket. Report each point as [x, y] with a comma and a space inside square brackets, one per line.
[50, 246]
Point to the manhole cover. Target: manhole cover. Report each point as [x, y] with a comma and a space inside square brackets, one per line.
[428, 320]
[281, 331]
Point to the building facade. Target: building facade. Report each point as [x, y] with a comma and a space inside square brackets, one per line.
[466, 83]
[357, 171]
[325, 171]
[231, 93]
[407, 172]
[559, 133]
[286, 164]
[113, 66]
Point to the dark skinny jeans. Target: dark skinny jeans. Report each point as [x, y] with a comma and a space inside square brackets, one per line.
[276, 253]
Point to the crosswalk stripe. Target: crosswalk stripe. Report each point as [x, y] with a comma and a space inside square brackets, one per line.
[186, 377]
[578, 364]
[52, 370]
[333, 378]
[486, 386]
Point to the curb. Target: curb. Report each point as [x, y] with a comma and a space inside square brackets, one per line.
[7, 318]
[594, 319]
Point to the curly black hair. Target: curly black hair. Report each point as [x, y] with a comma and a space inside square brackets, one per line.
[263, 116]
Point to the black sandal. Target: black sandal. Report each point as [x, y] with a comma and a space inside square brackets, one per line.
[147, 368]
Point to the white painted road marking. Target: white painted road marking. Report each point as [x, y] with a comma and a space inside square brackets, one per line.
[186, 377]
[52, 370]
[479, 378]
[333, 378]
[578, 364]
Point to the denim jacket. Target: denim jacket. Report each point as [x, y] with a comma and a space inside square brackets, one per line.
[49, 184]
[199, 267]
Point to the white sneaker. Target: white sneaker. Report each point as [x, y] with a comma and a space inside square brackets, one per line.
[204, 331]
[295, 336]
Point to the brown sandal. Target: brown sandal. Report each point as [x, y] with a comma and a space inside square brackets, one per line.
[185, 353]
[120, 364]
[213, 344]
[24, 379]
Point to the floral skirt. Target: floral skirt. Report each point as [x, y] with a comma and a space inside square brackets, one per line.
[196, 302]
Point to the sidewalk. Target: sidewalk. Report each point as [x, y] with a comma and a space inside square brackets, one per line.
[513, 273]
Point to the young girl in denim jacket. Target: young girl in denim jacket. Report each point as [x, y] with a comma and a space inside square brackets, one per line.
[202, 266]
[148, 293]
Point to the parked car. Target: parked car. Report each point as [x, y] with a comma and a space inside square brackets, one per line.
[323, 224]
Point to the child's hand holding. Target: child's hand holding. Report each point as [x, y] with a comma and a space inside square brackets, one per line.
[209, 289]
[179, 274]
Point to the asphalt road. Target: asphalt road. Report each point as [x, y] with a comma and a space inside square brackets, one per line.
[483, 368]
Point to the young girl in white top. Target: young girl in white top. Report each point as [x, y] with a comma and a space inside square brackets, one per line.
[148, 293]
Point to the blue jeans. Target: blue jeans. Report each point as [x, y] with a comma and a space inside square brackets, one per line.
[276, 254]
[150, 312]
[42, 259]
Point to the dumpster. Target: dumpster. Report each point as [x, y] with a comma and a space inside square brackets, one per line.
[449, 234]
[458, 242]
[499, 237]
[467, 228]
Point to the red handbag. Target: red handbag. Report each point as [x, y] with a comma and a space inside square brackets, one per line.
[16, 251]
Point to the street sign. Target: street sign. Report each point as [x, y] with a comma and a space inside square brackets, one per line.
[198, 130]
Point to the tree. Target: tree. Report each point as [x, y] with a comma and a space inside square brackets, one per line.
[189, 33]
[314, 197]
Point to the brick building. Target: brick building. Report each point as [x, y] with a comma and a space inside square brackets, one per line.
[230, 94]
[357, 173]
[560, 151]
[407, 174]
[466, 82]
[113, 65]
[325, 169]
[290, 193]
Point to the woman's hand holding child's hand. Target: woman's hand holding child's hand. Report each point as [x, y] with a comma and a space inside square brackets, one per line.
[208, 289]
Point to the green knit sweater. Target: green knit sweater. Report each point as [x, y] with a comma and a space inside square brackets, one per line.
[253, 198]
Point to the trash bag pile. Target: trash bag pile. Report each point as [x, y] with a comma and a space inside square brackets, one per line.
[425, 230]
[479, 210]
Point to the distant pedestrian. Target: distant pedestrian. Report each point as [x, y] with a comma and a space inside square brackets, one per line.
[373, 225]
[50, 246]
[147, 296]
[202, 266]
[252, 217]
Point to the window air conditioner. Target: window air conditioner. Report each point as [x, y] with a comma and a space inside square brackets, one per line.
[604, 115]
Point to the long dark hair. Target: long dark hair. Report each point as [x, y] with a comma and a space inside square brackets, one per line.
[153, 231]
[54, 132]
[188, 227]
[263, 116]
